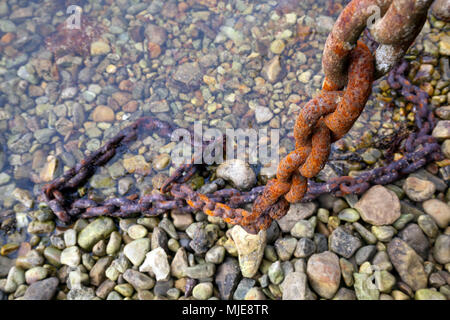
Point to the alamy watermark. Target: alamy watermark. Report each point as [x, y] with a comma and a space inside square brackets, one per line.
[74, 20]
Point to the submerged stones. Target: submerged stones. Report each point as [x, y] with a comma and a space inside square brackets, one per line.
[188, 76]
[238, 172]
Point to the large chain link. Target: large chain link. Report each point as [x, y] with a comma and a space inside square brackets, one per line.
[394, 24]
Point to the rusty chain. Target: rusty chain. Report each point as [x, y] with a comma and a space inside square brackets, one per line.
[323, 120]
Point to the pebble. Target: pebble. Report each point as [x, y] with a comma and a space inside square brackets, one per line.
[98, 272]
[418, 190]
[124, 289]
[303, 229]
[305, 248]
[439, 211]
[321, 242]
[428, 294]
[70, 237]
[442, 130]
[250, 249]
[204, 238]
[39, 227]
[99, 48]
[97, 230]
[155, 34]
[345, 294]
[324, 273]
[24, 197]
[180, 263]
[35, 274]
[243, 287]
[304, 77]
[81, 293]
[53, 256]
[215, 255]
[103, 114]
[343, 243]
[365, 234]
[136, 250]
[441, 249]
[159, 239]
[227, 277]
[156, 261]
[384, 281]
[275, 273]
[138, 280]
[42, 290]
[237, 172]
[381, 261]
[189, 75]
[347, 270]
[349, 215]
[71, 256]
[201, 271]
[296, 212]
[137, 231]
[428, 225]
[379, 206]
[365, 254]
[407, 263]
[364, 288]
[272, 70]
[416, 239]
[285, 247]
[32, 259]
[137, 164]
[263, 114]
[384, 233]
[277, 46]
[161, 162]
[294, 286]
[203, 291]
[255, 294]
[114, 243]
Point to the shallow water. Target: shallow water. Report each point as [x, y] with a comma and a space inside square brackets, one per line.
[207, 66]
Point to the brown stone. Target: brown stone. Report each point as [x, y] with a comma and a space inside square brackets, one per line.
[439, 211]
[418, 189]
[407, 263]
[122, 97]
[131, 106]
[97, 273]
[103, 114]
[324, 273]
[154, 50]
[379, 206]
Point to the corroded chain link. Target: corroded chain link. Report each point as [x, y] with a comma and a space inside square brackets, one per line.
[394, 24]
